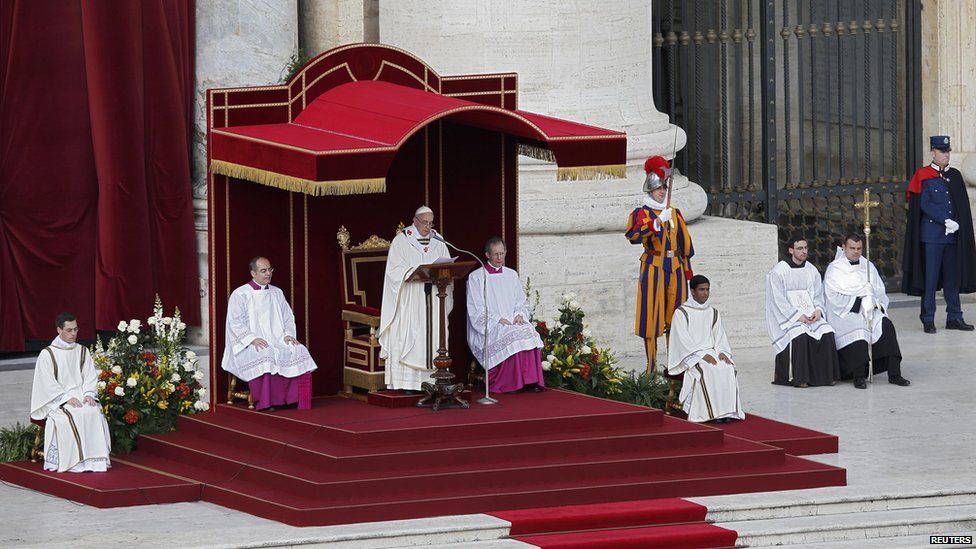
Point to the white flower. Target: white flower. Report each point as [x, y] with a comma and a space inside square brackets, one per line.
[573, 304]
[190, 355]
[198, 375]
[101, 385]
[116, 370]
[119, 391]
[131, 382]
[201, 405]
[175, 378]
[587, 333]
[546, 365]
[202, 393]
[169, 387]
[167, 320]
[123, 326]
[189, 366]
[133, 339]
[586, 350]
[551, 357]
[152, 321]
[181, 326]
[134, 326]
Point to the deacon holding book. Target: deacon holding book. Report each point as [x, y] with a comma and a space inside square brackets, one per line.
[409, 315]
[804, 343]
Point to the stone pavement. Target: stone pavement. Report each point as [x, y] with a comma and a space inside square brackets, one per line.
[893, 441]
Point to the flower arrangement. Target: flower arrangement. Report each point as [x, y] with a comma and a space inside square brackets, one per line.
[571, 358]
[147, 378]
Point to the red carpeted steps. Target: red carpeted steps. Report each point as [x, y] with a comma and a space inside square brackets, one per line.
[344, 461]
[665, 523]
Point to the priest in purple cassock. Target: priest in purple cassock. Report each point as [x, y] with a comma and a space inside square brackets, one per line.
[498, 312]
[262, 346]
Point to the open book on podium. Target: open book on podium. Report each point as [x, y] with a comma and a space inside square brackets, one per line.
[442, 271]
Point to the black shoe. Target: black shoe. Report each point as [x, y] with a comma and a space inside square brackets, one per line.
[959, 325]
[900, 381]
[929, 327]
[860, 383]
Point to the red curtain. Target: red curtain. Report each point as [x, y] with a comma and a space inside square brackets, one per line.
[96, 214]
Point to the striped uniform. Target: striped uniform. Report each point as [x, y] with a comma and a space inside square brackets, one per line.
[664, 273]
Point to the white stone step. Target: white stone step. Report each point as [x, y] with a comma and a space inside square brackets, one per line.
[855, 526]
[734, 512]
[905, 542]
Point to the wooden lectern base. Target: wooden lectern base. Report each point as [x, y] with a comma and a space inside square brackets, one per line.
[443, 393]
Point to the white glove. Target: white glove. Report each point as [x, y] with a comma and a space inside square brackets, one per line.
[666, 215]
[867, 303]
[951, 226]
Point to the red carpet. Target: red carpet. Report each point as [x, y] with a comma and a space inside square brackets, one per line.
[671, 523]
[345, 462]
[795, 440]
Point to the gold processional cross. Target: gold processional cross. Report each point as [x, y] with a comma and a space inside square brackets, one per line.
[866, 205]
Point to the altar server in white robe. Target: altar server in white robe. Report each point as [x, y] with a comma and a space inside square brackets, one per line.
[65, 394]
[699, 348]
[409, 330]
[513, 357]
[261, 345]
[857, 309]
[802, 338]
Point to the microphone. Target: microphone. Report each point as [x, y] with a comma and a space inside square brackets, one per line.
[484, 296]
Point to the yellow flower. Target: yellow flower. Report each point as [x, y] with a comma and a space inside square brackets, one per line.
[162, 404]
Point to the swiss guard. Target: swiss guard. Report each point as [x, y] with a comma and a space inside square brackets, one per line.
[666, 262]
[939, 250]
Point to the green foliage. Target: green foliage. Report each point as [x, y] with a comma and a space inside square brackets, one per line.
[295, 63]
[16, 442]
[644, 389]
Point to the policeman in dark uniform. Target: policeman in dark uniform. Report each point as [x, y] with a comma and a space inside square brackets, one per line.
[944, 233]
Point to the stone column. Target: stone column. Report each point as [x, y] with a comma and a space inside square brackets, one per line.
[330, 23]
[238, 43]
[588, 61]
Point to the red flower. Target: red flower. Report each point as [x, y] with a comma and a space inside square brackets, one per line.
[571, 349]
[105, 375]
[110, 388]
[148, 357]
[131, 417]
[585, 371]
[596, 355]
[155, 372]
[183, 389]
[579, 337]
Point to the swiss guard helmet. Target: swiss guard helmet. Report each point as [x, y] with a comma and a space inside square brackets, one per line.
[658, 172]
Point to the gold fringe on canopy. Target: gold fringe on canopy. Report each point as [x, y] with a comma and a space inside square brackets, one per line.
[539, 153]
[582, 173]
[297, 184]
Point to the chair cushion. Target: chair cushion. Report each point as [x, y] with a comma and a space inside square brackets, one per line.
[372, 311]
[39, 422]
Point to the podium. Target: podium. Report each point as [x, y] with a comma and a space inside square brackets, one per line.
[443, 392]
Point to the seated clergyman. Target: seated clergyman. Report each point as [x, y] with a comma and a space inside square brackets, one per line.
[857, 310]
[65, 394]
[261, 345]
[513, 357]
[803, 341]
[699, 348]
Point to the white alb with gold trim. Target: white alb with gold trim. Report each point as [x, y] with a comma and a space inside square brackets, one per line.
[75, 439]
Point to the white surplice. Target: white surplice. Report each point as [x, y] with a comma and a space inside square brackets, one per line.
[404, 320]
[75, 439]
[708, 391]
[783, 284]
[262, 313]
[843, 284]
[506, 300]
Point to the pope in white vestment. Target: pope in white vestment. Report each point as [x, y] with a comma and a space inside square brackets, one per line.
[699, 348]
[261, 346]
[409, 330]
[65, 393]
[513, 358]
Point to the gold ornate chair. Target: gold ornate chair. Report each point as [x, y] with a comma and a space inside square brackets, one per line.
[233, 393]
[363, 269]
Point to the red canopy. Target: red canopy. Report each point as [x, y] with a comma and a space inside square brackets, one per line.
[344, 141]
